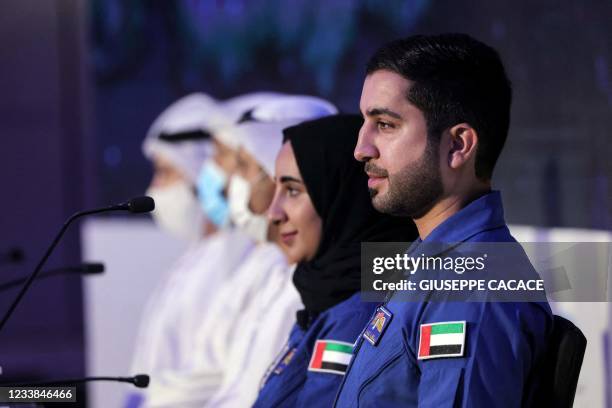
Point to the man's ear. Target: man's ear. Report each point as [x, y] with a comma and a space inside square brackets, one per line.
[463, 143]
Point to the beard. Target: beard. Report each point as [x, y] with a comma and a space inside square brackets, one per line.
[413, 190]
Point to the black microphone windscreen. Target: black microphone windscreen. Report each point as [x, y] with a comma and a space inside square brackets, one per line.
[141, 205]
[13, 255]
[93, 267]
[141, 380]
[16, 255]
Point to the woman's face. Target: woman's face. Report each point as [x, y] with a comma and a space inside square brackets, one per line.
[299, 225]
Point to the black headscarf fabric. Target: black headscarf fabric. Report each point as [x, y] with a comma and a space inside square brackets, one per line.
[337, 185]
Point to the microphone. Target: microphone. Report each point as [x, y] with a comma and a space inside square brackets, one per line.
[12, 256]
[86, 268]
[139, 380]
[135, 205]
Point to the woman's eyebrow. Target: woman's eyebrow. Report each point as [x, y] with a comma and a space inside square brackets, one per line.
[286, 179]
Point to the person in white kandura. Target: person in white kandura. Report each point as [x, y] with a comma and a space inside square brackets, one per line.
[178, 143]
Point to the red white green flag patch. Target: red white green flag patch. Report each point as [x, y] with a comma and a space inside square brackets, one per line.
[330, 356]
[443, 339]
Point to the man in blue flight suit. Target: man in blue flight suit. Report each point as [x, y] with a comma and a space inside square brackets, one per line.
[437, 112]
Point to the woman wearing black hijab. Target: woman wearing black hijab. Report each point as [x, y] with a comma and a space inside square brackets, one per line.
[323, 211]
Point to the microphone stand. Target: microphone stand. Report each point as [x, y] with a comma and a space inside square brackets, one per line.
[81, 270]
[38, 268]
[140, 381]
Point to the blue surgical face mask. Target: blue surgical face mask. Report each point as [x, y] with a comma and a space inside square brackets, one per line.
[211, 183]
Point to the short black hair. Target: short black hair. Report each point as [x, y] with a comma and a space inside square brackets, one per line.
[456, 79]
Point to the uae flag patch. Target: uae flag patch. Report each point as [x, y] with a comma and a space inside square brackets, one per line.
[330, 356]
[444, 339]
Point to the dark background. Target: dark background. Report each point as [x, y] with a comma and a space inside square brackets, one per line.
[555, 170]
[82, 80]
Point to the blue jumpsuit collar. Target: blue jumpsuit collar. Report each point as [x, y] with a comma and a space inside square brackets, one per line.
[484, 213]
